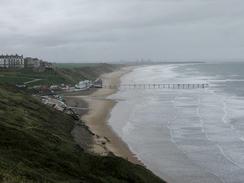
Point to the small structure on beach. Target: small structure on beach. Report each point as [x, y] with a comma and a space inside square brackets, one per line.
[98, 83]
[83, 85]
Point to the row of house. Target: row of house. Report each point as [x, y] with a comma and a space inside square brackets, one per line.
[12, 61]
[19, 62]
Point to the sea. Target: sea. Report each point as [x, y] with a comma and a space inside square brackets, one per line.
[185, 135]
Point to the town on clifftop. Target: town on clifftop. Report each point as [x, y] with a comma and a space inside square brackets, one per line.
[20, 62]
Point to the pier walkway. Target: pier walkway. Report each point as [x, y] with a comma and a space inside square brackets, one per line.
[158, 86]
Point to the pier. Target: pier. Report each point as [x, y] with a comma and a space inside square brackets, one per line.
[158, 86]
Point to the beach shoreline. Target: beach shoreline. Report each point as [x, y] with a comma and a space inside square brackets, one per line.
[104, 141]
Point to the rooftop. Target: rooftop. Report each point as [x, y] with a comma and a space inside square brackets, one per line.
[11, 56]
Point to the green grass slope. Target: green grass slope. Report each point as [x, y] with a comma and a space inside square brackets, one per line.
[36, 146]
[66, 73]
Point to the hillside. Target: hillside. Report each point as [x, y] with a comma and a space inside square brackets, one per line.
[73, 73]
[36, 146]
[63, 73]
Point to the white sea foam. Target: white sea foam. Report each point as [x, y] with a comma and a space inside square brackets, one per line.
[186, 135]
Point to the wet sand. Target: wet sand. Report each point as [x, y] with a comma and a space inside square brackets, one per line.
[105, 140]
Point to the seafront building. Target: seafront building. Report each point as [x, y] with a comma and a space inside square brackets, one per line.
[98, 83]
[12, 61]
[83, 85]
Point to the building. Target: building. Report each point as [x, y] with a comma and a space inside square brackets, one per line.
[12, 61]
[32, 63]
[37, 64]
[83, 85]
[98, 83]
[47, 65]
[19, 62]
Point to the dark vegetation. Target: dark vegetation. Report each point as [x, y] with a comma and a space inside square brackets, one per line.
[36, 146]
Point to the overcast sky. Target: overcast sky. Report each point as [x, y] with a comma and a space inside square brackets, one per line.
[113, 30]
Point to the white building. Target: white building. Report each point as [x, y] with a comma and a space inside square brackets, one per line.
[83, 85]
[11, 61]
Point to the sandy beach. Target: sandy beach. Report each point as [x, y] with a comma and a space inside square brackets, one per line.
[105, 140]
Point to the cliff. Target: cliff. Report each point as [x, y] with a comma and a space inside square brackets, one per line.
[36, 146]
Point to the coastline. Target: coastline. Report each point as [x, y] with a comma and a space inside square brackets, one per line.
[104, 140]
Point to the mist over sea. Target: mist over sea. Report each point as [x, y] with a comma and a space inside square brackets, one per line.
[185, 135]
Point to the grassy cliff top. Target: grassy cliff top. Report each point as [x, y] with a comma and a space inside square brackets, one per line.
[63, 73]
[36, 146]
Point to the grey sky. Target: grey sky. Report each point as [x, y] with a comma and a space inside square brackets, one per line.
[111, 30]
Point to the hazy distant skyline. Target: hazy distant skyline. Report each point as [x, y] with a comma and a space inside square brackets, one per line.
[113, 30]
